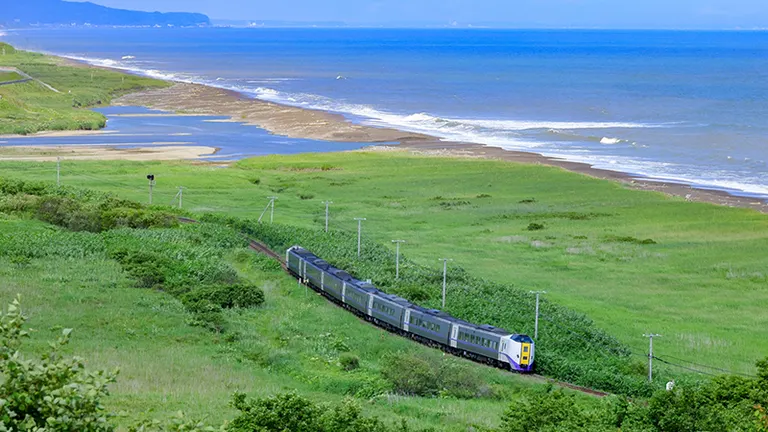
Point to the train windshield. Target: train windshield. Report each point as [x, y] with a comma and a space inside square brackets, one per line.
[522, 338]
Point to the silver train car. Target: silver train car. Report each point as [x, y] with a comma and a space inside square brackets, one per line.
[483, 343]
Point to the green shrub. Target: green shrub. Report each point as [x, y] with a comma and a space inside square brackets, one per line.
[550, 410]
[535, 226]
[290, 412]
[414, 293]
[349, 361]
[410, 374]
[227, 296]
[306, 196]
[21, 203]
[457, 379]
[206, 314]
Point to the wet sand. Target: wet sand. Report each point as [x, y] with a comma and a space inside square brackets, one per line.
[279, 119]
[104, 152]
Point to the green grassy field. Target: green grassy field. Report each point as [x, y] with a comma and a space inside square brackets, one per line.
[30, 107]
[9, 76]
[292, 342]
[635, 262]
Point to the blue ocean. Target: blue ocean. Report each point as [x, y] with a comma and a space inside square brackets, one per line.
[690, 107]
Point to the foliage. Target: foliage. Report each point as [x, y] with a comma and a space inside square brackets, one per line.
[50, 394]
[552, 410]
[419, 376]
[291, 412]
[177, 423]
[78, 210]
[349, 362]
[227, 296]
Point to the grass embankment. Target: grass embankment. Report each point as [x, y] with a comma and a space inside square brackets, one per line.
[635, 262]
[292, 343]
[30, 107]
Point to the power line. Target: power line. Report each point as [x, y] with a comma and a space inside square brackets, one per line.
[682, 367]
[712, 367]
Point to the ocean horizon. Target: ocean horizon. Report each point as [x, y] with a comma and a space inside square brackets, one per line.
[680, 106]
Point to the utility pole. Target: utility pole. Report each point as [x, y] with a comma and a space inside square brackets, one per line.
[327, 203]
[445, 275]
[180, 196]
[359, 231]
[272, 212]
[650, 354]
[270, 205]
[536, 324]
[151, 178]
[58, 164]
[397, 257]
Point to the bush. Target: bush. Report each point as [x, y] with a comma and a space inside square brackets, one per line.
[291, 412]
[146, 269]
[207, 315]
[349, 362]
[551, 410]
[410, 375]
[458, 380]
[227, 296]
[535, 226]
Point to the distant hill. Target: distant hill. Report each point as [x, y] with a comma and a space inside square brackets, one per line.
[59, 12]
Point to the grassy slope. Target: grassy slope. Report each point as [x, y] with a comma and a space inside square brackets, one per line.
[30, 107]
[9, 76]
[702, 285]
[168, 366]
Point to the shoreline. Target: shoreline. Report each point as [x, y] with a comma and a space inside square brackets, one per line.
[296, 122]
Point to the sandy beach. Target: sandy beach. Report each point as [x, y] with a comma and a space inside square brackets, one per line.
[104, 152]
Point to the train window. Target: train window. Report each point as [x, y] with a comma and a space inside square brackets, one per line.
[525, 349]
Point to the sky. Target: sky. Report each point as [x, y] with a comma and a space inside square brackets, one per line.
[616, 14]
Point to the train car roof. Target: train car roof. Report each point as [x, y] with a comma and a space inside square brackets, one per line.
[394, 299]
[341, 274]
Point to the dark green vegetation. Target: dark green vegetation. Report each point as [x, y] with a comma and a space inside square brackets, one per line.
[30, 107]
[271, 336]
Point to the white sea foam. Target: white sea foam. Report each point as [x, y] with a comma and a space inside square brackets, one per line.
[610, 141]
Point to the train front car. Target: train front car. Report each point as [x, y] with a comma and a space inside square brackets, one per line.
[518, 351]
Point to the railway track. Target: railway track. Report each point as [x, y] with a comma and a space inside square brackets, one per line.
[264, 249]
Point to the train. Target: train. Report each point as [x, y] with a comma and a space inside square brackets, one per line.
[483, 343]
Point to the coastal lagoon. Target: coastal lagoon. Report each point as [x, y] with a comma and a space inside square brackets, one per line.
[690, 107]
[138, 127]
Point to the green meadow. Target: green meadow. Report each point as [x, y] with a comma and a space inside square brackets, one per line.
[635, 262]
[295, 341]
[30, 107]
